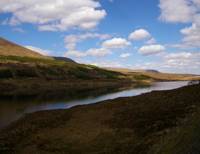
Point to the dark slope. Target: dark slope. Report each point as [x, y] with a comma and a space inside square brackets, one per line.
[64, 59]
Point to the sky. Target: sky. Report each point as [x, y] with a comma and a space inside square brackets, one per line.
[162, 35]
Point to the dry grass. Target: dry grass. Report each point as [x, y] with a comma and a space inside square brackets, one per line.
[10, 49]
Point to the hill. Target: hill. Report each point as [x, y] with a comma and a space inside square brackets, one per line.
[8, 48]
[155, 75]
[64, 59]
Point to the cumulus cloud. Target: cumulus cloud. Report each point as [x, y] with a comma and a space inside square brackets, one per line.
[191, 36]
[39, 50]
[54, 15]
[177, 11]
[72, 40]
[98, 52]
[94, 52]
[183, 60]
[125, 55]
[116, 43]
[151, 41]
[183, 11]
[113, 64]
[139, 34]
[74, 53]
[151, 49]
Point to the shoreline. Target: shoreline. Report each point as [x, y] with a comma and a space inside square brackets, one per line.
[119, 125]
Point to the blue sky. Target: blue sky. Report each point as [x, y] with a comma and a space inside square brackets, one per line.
[136, 34]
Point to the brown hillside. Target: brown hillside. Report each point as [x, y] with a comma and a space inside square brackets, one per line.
[11, 49]
[156, 75]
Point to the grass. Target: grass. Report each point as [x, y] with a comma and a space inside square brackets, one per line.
[157, 122]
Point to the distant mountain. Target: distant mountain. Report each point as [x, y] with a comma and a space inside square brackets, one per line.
[152, 71]
[64, 59]
[8, 48]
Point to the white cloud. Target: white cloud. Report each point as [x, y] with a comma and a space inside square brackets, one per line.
[39, 50]
[183, 11]
[183, 60]
[113, 64]
[54, 15]
[116, 43]
[191, 36]
[151, 49]
[177, 10]
[125, 55]
[178, 56]
[74, 53]
[72, 40]
[151, 41]
[98, 52]
[139, 34]
[94, 52]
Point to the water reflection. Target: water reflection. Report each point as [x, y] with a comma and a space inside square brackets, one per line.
[13, 110]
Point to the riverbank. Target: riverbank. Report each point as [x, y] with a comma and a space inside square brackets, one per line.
[157, 122]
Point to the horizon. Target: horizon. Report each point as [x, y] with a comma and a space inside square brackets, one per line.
[109, 33]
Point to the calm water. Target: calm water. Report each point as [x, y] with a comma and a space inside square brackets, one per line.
[11, 111]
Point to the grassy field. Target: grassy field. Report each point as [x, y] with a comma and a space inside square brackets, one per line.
[164, 122]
